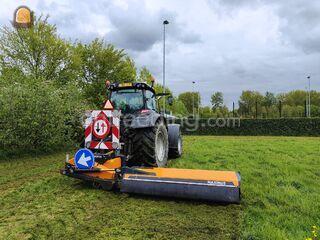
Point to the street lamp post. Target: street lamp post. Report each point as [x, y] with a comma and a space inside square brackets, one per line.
[198, 104]
[193, 82]
[309, 97]
[307, 102]
[165, 22]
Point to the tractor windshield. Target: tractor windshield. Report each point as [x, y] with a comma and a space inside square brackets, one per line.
[127, 100]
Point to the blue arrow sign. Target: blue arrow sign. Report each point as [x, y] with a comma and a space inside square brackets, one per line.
[84, 159]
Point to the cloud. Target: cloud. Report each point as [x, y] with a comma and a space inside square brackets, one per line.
[223, 45]
[299, 20]
[138, 29]
[77, 20]
[301, 24]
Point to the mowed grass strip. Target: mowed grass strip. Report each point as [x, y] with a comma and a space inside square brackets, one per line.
[38, 203]
[280, 186]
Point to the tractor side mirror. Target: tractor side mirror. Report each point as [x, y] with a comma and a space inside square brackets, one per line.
[170, 100]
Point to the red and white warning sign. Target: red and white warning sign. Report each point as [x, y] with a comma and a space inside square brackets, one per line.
[96, 125]
[108, 105]
[101, 126]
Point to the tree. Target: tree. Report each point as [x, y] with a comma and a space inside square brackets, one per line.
[190, 99]
[38, 52]
[268, 101]
[247, 102]
[145, 75]
[101, 62]
[206, 112]
[216, 100]
[294, 98]
[178, 108]
[221, 112]
[37, 115]
[41, 103]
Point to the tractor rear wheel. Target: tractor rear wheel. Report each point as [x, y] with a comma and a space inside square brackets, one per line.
[150, 146]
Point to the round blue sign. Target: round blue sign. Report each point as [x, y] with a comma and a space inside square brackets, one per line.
[84, 159]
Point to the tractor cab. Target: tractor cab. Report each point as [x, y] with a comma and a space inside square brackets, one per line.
[132, 98]
[148, 136]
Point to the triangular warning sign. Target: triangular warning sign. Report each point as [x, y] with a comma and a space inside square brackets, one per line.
[108, 105]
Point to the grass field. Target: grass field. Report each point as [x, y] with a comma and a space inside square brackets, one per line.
[280, 186]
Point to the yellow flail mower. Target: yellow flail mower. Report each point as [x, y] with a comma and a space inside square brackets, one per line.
[127, 146]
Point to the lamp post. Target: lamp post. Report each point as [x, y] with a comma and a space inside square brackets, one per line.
[309, 97]
[165, 22]
[307, 102]
[193, 82]
[198, 105]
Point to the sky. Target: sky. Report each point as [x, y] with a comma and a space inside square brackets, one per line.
[222, 45]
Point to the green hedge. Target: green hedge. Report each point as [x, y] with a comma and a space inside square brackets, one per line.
[36, 116]
[252, 127]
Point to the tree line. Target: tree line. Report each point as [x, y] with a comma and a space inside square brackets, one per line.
[253, 104]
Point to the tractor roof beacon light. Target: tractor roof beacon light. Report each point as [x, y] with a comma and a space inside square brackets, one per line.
[152, 81]
[108, 83]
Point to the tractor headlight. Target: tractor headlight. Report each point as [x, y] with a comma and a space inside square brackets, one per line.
[87, 113]
[87, 145]
[115, 145]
